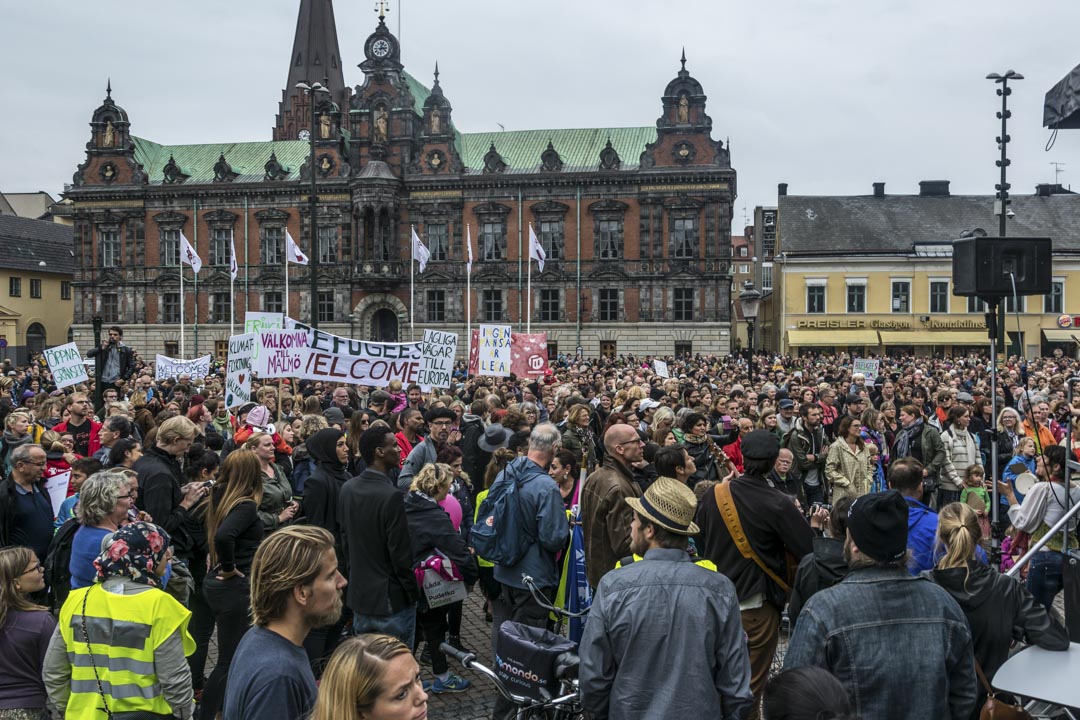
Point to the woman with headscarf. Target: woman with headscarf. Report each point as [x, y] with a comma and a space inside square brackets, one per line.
[330, 451]
[92, 664]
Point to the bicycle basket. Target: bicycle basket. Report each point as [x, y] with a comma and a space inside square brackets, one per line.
[525, 659]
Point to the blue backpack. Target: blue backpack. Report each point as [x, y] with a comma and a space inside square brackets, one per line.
[499, 534]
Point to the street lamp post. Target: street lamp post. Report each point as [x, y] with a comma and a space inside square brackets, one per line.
[312, 92]
[750, 303]
[1001, 206]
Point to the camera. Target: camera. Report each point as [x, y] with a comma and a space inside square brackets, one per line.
[814, 507]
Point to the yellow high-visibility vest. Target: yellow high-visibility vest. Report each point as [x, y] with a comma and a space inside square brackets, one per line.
[124, 631]
[701, 562]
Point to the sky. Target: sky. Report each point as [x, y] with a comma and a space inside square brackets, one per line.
[828, 96]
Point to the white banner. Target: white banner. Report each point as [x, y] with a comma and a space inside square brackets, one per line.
[167, 367]
[661, 368]
[66, 365]
[57, 487]
[495, 351]
[437, 352]
[869, 368]
[238, 369]
[280, 353]
[258, 321]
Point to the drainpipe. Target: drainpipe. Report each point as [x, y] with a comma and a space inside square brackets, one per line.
[578, 233]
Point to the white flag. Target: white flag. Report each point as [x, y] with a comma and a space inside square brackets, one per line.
[188, 256]
[234, 269]
[536, 250]
[419, 252]
[292, 250]
[468, 245]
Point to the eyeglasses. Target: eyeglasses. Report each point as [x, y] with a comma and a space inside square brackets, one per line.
[38, 567]
[39, 464]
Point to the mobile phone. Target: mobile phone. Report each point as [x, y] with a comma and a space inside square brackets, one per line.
[209, 483]
[726, 419]
[815, 506]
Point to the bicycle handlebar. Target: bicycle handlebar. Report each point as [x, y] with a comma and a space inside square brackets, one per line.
[546, 604]
[465, 658]
[468, 661]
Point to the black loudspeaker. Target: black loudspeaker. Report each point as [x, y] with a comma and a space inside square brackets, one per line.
[982, 266]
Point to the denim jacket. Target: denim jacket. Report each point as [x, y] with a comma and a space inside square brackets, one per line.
[899, 644]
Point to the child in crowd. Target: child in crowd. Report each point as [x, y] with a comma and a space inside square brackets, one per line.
[974, 493]
[399, 400]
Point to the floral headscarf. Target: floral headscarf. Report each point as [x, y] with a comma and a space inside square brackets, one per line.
[133, 552]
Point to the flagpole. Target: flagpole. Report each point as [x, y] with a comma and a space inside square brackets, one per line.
[412, 281]
[468, 299]
[287, 276]
[528, 289]
[232, 284]
[182, 303]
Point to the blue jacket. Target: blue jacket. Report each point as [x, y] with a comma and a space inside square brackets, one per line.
[1010, 477]
[881, 624]
[542, 508]
[922, 534]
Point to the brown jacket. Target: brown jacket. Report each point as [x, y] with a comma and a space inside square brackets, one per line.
[606, 518]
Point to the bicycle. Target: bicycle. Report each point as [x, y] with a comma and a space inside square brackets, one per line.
[565, 704]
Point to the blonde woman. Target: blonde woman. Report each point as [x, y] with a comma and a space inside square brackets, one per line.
[233, 532]
[277, 507]
[371, 677]
[578, 437]
[847, 466]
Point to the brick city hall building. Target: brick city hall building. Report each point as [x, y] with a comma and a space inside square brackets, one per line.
[635, 221]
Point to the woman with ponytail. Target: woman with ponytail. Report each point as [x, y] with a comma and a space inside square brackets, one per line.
[998, 607]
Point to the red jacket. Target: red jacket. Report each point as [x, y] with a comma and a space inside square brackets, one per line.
[95, 439]
[734, 451]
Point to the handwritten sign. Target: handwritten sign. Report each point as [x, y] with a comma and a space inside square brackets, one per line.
[238, 369]
[167, 367]
[661, 368]
[495, 350]
[437, 352]
[281, 353]
[258, 321]
[66, 365]
[869, 368]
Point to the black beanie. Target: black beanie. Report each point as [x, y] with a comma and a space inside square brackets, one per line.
[878, 524]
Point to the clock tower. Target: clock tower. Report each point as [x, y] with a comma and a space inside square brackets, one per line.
[381, 50]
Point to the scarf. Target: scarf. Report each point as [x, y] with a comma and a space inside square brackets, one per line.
[133, 552]
[905, 437]
[694, 439]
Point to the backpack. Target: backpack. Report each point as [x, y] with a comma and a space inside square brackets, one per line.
[57, 560]
[499, 534]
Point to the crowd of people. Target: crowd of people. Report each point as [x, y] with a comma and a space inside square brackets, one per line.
[318, 530]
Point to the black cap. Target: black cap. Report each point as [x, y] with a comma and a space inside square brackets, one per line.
[787, 403]
[853, 398]
[878, 524]
[761, 445]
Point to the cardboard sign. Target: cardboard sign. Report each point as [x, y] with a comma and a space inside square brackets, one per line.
[280, 353]
[528, 352]
[661, 368]
[258, 321]
[495, 350]
[869, 368]
[167, 367]
[238, 369]
[57, 487]
[437, 353]
[66, 365]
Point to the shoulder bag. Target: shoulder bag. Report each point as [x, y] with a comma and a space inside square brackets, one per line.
[734, 527]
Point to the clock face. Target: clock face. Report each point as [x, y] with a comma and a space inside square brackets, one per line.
[380, 48]
[304, 134]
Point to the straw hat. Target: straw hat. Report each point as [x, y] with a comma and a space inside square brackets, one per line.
[669, 504]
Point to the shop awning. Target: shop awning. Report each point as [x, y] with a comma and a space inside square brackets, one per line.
[934, 337]
[831, 338]
[1065, 335]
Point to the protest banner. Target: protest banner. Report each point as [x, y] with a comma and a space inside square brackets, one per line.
[437, 352]
[528, 354]
[167, 367]
[661, 368]
[869, 368]
[258, 321]
[238, 369]
[495, 353]
[66, 365]
[57, 486]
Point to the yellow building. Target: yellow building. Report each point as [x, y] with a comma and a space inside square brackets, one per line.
[873, 274]
[36, 266]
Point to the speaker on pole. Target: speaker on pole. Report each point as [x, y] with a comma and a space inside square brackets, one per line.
[985, 266]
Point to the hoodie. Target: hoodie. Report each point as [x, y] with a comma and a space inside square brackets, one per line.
[818, 570]
[998, 608]
[322, 489]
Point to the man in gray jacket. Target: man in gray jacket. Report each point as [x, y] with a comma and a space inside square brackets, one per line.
[439, 422]
[667, 614]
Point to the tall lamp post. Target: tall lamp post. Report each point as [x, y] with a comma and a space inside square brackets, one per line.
[1001, 205]
[312, 92]
[750, 303]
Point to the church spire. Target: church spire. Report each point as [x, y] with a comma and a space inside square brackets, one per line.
[315, 58]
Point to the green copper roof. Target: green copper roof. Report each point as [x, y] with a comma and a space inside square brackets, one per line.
[197, 161]
[579, 149]
[419, 92]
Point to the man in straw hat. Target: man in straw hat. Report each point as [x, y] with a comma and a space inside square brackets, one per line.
[667, 613]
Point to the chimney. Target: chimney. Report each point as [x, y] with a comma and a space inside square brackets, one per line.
[781, 189]
[879, 189]
[934, 188]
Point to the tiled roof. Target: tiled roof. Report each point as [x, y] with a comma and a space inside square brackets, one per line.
[197, 161]
[579, 149]
[829, 225]
[25, 243]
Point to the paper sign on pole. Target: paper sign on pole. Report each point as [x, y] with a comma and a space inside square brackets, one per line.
[869, 368]
[661, 368]
[167, 367]
[281, 353]
[495, 350]
[238, 369]
[437, 352]
[258, 321]
[57, 487]
[66, 365]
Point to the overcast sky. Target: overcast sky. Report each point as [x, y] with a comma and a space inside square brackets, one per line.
[825, 95]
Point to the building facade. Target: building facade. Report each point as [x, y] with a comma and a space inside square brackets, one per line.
[635, 221]
[873, 274]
